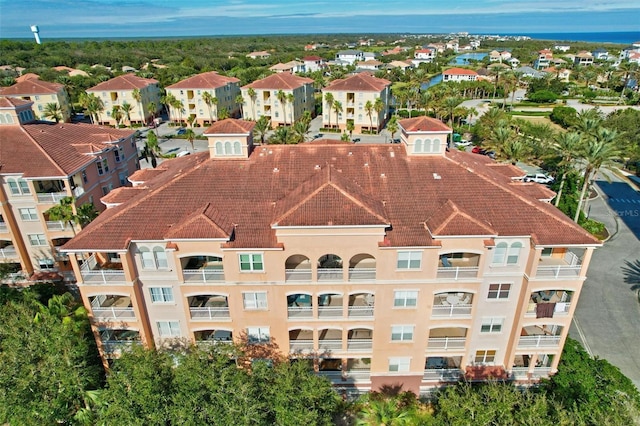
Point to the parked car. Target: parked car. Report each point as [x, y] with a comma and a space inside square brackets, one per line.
[397, 140]
[482, 151]
[539, 178]
[181, 131]
[356, 140]
[183, 153]
[463, 143]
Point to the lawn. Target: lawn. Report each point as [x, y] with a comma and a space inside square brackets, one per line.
[540, 120]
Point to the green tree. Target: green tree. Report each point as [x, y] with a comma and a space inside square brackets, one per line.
[283, 135]
[329, 101]
[368, 108]
[301, 130]
[153, 109]
[378, 107]
[252, 96]
[137, 96]
[190, 135]
[126, 109]
[263, 125]
[566, 146]
[291, 100]
[93, 105]
[350, 126]
[282, 98]
[337, 107]
[53, 111]
[152, 149]
[240, 101]
[67, 212]
[168, 101]
[207, 97]
[393, 126]
[117, 115]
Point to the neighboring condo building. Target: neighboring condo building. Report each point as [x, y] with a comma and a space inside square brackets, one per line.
[261, 98]
[354, 93]
[203, 96]
[143, 94]
[41, 163]
[384, 264]
[41, 93]
[459, 74]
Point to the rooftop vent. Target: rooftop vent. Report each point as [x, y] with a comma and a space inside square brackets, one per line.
[382, 175]
[392, 154]
[317, 167]
[275, 170]
[437, 176]
[366, 164]
[350, 153]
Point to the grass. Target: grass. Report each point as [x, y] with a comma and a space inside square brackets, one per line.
[531, 113]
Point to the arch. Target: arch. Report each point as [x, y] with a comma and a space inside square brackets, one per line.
[330, 293]
[362, 260]
[208, 328]
[110, 293]
[2, 121]
[300, 327]
[219, 148]
[329, 327]
[436, 145]
[513, 254]
[450, 325]
[427, 145]
[417, 146]
[204, 293]
[297, 261]
[237, 148]
[361, 291]
[329, 261]
[360, 327]
[160, 256]
[500, 253]
[293, 293]
[147, 258]
[227, 148]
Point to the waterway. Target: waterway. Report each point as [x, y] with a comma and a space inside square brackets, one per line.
[466, 57]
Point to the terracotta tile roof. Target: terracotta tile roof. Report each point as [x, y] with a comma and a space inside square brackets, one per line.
[144, 175]
[312, 58]
[123, 82]
[207, 222]
[27, 76]
[318, 183]
[31, 87]
[282, 81]
[535, 190]
[206, 80]
[508, 170]
[459, 71]
[230, 126]
[361, 82]
[47, 149]
[11, 103]
[121, 194]
[423, 124]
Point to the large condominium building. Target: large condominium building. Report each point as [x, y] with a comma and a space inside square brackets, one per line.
[261, 98]
[40, 93]
[203, 96]
[143, 94]
[382, 264]
[355, 94]
[40, 164]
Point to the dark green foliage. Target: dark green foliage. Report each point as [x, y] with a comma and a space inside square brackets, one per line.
[543, 96]
[564, 116]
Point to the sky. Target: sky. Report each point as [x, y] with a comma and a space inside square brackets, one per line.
[152, 18]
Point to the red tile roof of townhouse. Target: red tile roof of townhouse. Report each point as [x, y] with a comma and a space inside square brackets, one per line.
[230, 126]
[312, 58]
[31, 86]
[282, 81]
[423, 124]
[329, 184]
[424, 51]
[8, 102]
[459, 71]
[206, 80]
[361, 82]
[123, 82]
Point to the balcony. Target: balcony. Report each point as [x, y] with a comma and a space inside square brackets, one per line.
[8, 252]
[300, 341]
[452, 305]
[202, 269]
[330, 268]
[360, 339]
[520, 373]
[329, 340]
[446, 343]
[456, 266]
[442, 369]
[298, 269]
[559, 265]
[51, 197]
[213, 337]
[362, 267]
[3, 227]
[118, 340]
[208, 307]
[540, 336]
[112, 307]
[550, 303]
[361, 305]
[95, 272]
[57, 225]
[299, 306]
[330, 306]
[541, 372]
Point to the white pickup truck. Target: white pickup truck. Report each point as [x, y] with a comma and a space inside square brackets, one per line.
[539, 178]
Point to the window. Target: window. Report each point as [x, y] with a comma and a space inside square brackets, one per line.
[405, 299]
[251, 262]
[485, 357]
[491, 325]
[37, 240]
[255, 300]
[513, 254]
[400, 364]
[401, 333]
[503, 253]
[258, 334]
[28, 214]
[153, 259]
[546, 252]
[168, 328]
[119, 154]
[499, 253]
[100, 169]
[161, 294]
[19, 187]
[46, 263]
[84, 176]
[499, 291]
[105, 190]
[122, 176]
[409, 259]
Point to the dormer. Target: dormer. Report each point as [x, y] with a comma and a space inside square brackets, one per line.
[15, 111]
[424, 136]
[230, 138]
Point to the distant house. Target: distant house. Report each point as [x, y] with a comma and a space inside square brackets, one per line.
[313, 63]
[562, 47]
[634, 57]
[263, 54]
[423, 56]
[475, 44]
[529, 72]
[400, 64]
[543, 60]
[292, 67]
[438, 47]
[41, 93]
[624, 53]
[583, 58]
[459, 74]
[513, 62]
[600, 53]
[350, 56]
[494, 56]
[452, 45]
[561, 74]
[310, 47]
[370, 64]
[72, 72]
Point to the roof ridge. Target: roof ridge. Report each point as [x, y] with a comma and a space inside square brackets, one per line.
[44, 151]
[352, 197]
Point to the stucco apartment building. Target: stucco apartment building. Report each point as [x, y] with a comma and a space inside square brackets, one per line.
[265, 100]
[40, 93]
[382, 264]
[41, 163]
[191, 92]
[121, 89]
[353, 93]
[459, 74]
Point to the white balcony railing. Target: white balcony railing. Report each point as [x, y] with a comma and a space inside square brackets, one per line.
[330, 311]
[51, 197]
[330, 274]
[299, 312]
[301, 275]
[212, 342]
[57, 225]
[359, 344]
[78, 191]
[457, 272]
[116, 346]
[538, 341]
[359, 375]
[331, 375]
[520, 372]
[329, 345]
[362, 274]
[561, 308]
[442, 375]
[361, 311]
[8, 253]
[541, 372]
[558, 272]
[300, 345]
[102, 276]
[209, 313]
[446, 343]
[113, 313]
[3, 227]
[451, 311]
[202, 275]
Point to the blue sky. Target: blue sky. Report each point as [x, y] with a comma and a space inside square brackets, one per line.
[136, 18]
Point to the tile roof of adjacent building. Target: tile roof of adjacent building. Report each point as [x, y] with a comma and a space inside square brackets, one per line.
[423, 124]
[329, 184]
[123, 82]
[361, 82]
[205, 80]
[459, 71]
[31, 86]
[312, 58]
[230, 126]
[11, 103]
[281, 81]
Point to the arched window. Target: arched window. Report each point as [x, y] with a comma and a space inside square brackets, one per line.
[160, 257]
[418, 146]
[227, 148]
[499, 253]
[219, 150]
[427, 146]
[147, 258]
[514, 253]
[237, 148]
[153, 259]
[2, 121]
[436, 145]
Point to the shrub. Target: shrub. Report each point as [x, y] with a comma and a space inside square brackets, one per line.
[543, 97]
[564, 116]
[595, 228]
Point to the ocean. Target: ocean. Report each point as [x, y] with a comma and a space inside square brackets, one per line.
[596, 37]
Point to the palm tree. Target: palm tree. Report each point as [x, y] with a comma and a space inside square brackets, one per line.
[152, 149]
[282, 98]
[329, 100]
[378, 107]
[152, 108]
[300, 130]
[207, 97]
[628, 70]
[471, 112]
[214, 102]
[566, 145]
[384, 412]
[499, 138]
[368, 108]
[117, 115]
[53, 111]
[350, 127]
[263, 125]
[138, 98]
[392, 126]
[168, 101]
[93, 105]
[190, 120]
[178, 105]
[282, 135]
[67, 212]
[291, 99]
[337, 107]
[450, 104]
[252, 96]
[126, 111]
[240, 102]
[222, 114]
[190, 135]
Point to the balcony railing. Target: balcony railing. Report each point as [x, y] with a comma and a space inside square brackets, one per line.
[6, 253]
[113, 313]
[3, 227]
[520, 372]
[301, 275]
[209, 313]
[299, 312]
[359, 344]
[361, 311]
[300, 345]
[212, 342]
[442, 375]
[57, 225]
[51, 197]
[446, 343]
[362, 274]
[331, 375]
[561, 308]
[558, 272]
[359, 375]
[330, 274]
[538, 341]
[102, 276]
[330, 311]
[78, 191]
[541, 372]
[202, 275]
[451, 311]
[457, 272]
[116, 346]
[329, 345]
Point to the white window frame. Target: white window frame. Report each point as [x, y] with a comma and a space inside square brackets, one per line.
[485, 357]
[18, 186]
[405, 297]
[37, 240]
[254, 300]
[513, 253]
[154, 258]
[411, 256]
[500, 253]
[168, 328]
[161, 294]
[252, 262]
[30, 216]
[399, 364]
[491, 325]
[501, 293]
[258, 334]
[402, 333]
